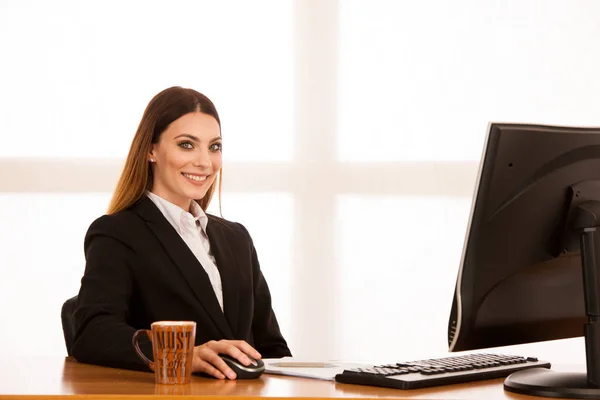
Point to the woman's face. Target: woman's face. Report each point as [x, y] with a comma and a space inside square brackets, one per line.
[187, 158]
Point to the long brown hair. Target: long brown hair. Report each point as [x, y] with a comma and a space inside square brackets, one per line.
[164, 108]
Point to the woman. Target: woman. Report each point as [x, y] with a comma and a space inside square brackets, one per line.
[158, 256]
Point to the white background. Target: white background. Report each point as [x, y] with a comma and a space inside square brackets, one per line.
[352, 135]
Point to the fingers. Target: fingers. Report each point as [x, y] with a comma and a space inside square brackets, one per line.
[246, 348]
[241, 350]
[209, 369]
[207, 360]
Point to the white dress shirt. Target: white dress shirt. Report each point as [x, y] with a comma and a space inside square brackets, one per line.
[192, 229]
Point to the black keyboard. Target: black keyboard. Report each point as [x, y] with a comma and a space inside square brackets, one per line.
[440, 371]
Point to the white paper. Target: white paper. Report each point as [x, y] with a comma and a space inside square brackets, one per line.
[327, 370]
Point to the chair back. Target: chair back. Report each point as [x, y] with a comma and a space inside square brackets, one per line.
[68, 322]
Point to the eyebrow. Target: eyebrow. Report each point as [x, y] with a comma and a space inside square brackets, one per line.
[187, 135]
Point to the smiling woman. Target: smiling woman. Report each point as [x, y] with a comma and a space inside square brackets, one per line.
[180, 133]
[158, 256]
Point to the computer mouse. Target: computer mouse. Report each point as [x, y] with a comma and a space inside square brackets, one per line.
[242, 371]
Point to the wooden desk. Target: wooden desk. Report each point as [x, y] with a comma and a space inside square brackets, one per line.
[66, 378]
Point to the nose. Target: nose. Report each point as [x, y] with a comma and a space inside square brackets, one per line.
[202, 159]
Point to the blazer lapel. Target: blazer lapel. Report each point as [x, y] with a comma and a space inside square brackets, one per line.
[228, 270]
[185, 261]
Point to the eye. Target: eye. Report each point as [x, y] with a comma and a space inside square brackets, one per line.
[186, 145]
[216, 147]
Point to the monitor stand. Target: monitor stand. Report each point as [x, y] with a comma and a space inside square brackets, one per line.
[584, 385]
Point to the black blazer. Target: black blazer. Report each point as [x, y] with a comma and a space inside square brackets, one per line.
[139, 270]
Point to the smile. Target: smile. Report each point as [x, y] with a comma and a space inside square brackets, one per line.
[195, 178]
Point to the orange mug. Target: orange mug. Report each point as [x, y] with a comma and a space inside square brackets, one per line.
[173, 349]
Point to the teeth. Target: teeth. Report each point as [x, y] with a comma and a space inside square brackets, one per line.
[195, 177]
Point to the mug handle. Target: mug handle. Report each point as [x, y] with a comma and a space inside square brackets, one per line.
[136, 345]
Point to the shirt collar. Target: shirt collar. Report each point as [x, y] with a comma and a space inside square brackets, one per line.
[199, 214]
[177, 215]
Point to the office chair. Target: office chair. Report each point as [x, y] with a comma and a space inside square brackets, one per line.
[68, 322]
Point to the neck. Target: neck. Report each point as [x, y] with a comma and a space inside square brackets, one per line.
[183, 203]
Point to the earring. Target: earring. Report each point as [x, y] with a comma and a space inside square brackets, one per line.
[152, 160]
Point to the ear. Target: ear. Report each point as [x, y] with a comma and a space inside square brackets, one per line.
[151, 155]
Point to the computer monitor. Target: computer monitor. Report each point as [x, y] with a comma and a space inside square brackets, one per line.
[530, 246]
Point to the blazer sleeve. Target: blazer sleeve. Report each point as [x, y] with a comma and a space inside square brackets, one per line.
[102, 335]
[268, 339]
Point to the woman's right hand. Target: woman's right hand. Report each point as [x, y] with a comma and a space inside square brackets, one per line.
[207, 360]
